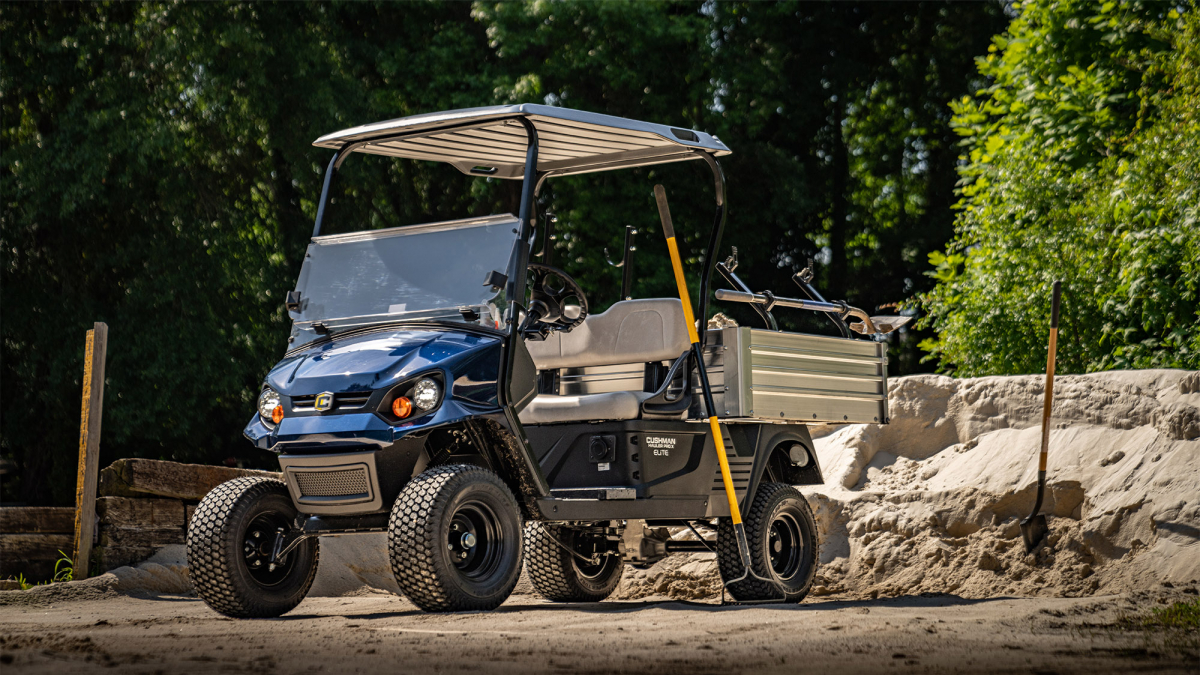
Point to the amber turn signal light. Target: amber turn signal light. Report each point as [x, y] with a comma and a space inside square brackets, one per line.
[277, 414]
[401, 407]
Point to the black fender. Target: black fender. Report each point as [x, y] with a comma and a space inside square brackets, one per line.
[771, 458]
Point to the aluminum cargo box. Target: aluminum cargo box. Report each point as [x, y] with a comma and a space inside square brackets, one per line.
[772, 376]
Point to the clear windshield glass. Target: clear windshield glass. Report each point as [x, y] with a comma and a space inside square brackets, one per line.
[417, 272]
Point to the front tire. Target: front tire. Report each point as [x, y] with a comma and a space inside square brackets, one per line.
[559, 575]
[782, 535]
[454, 539]
[229, 546]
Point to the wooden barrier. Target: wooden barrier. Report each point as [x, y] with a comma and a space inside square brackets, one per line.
[143, 505]
[156, 478]
[33, 539]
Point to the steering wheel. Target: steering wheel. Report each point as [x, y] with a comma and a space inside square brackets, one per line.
[549, 290]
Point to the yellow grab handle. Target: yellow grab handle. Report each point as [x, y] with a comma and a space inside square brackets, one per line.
[677, 266]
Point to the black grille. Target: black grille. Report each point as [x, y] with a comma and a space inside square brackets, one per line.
[337, 483]
[347, 401]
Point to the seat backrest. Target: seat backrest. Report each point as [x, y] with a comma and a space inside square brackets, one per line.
[631, 331]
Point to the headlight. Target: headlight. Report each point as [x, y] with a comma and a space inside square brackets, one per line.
[269, 406]
[426, 394]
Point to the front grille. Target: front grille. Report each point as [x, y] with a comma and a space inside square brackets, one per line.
[336, 483]
[347, 401]
[356, 400]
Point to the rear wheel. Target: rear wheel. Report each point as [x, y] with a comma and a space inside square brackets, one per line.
[454, 539]
[230, 542]
[782, 535]
[567, 564]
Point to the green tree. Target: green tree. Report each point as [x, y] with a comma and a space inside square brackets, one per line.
[1080, 165]
[158, 175]
[844, 150]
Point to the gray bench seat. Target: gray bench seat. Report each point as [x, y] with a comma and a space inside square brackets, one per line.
[629, 332]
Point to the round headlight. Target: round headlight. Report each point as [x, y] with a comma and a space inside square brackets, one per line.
[426, 394]
[268, 401]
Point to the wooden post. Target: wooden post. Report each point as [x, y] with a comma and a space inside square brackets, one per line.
[89, 446]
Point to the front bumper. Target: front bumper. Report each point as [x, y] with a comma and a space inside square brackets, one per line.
[333, 484]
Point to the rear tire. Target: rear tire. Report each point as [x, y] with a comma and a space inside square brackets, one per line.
[782, 535]
[562, 577]
[229, 546]
[454, 539]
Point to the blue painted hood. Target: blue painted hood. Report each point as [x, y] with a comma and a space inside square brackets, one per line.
[375, 360]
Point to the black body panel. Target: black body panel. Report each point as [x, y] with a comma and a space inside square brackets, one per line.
[660, 469]
[654, 458]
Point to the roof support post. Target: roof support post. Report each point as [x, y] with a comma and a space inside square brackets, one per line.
[515, 292]
[520, 260]
[329, 171]
[714, 241]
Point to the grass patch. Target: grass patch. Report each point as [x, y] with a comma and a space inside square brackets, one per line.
[1179, 615]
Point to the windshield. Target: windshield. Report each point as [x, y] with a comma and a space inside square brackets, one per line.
[413, 272]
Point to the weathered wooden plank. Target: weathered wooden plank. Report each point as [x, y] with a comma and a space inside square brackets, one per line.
[32, 555]
[141, 536]
[145, 477]
[111, 557]
[37, 520]
[89, 446]
[150, 512]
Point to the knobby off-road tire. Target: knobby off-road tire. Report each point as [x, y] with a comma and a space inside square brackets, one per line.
[434, 561]
[782, 534]
[563, 577]
[229, 545]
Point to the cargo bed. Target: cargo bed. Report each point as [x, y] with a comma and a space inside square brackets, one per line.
[763, 375]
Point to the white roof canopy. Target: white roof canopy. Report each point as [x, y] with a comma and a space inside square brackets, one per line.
[493, 142]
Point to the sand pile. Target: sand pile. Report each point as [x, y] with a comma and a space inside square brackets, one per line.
[931, 502]
[164, 573]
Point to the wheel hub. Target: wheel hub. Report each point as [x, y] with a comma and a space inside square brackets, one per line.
[474, 540]
[258, 547]
[785, 546]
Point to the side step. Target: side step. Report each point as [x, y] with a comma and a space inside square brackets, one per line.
[618, 504]
[595, 493]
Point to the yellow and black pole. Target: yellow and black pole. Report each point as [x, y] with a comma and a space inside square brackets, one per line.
[735, 512]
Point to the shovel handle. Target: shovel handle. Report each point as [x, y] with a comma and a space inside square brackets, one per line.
[1048, 401]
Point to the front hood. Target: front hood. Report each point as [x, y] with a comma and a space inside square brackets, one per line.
[373, 360]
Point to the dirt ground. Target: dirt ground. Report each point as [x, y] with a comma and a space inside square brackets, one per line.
[378, 632]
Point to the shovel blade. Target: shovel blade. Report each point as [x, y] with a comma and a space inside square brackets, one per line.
[1033, 530]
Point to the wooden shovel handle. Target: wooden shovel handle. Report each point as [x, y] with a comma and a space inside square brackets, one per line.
[1048, 401]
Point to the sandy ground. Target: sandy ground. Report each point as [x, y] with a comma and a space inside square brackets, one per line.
[377, 632]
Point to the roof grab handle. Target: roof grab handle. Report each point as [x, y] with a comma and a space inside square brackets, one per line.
[626, 262]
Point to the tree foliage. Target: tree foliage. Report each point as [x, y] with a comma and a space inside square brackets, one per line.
[157, 174]
[1083, 164]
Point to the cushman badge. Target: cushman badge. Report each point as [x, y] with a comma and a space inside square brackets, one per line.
[324, 401]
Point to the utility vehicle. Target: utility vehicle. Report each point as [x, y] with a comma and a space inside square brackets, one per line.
[444, 388]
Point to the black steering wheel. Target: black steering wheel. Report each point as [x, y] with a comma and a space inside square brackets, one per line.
[549, 290]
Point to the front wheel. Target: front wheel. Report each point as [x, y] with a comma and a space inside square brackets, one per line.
[782, 535]
[568, 564]
[230, 542]
[454, 539]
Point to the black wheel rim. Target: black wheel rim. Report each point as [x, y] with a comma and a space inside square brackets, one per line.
[786, 546]
[259, 544]
[475, 540]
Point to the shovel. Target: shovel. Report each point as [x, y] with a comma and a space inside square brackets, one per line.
[1034, 528]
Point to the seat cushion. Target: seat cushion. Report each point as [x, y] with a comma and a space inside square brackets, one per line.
[613, 405]
[631, 331]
